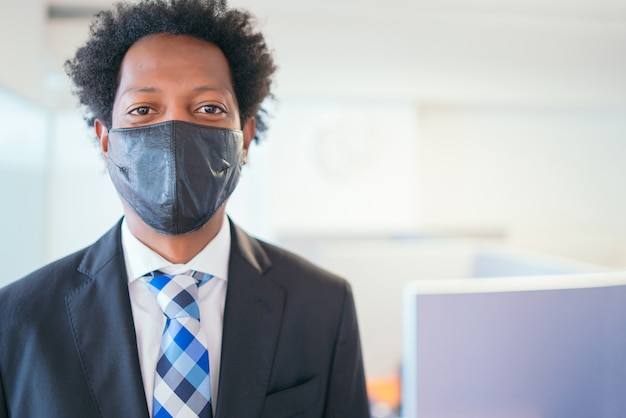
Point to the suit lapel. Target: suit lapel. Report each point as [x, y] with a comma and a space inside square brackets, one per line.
[252, 318]
[101, 319]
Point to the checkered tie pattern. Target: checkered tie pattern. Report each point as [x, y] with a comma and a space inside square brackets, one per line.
[182, 388]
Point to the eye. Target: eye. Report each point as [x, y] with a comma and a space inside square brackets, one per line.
[140, 111]
[211, 109]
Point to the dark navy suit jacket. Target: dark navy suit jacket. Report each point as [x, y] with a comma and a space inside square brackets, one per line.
[290, 343]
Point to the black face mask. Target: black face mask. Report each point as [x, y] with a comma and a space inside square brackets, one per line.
[175, 175]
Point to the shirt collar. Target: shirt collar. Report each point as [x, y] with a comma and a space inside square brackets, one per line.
[141, 260]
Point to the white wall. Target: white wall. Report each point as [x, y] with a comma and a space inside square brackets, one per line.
[82, 203]
[22, 28]
[552, 179]
[23, 167]
[342, 167]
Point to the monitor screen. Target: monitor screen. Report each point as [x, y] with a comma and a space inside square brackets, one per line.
[523, 347]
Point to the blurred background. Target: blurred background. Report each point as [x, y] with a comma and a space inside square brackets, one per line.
[408, 140]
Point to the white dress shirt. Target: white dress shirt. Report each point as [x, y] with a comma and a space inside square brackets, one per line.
[148, 316]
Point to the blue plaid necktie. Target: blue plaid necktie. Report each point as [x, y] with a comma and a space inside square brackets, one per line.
[182, 388]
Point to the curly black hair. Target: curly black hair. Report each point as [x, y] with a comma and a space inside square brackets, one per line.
[94, 69]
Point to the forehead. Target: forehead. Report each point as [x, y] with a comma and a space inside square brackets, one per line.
[166, 58]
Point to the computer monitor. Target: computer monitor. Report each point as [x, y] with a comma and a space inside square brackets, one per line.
[515, 347]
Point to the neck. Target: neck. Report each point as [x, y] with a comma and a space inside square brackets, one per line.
[177, 249]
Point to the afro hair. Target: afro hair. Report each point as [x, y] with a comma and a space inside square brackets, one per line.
[94, 70]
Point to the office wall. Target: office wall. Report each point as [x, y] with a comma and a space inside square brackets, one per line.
[342, 167]
[551, 179]
[23, 167]
[82, 203]
[22, 28]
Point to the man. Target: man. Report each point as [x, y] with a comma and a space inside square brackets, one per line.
[174, 91]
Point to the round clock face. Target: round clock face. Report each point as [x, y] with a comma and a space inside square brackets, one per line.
[346, 145]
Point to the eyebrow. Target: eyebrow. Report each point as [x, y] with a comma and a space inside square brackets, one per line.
[141, 90]
[201, 89]
[148, 89]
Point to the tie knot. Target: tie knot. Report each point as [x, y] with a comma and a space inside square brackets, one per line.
[177, 294]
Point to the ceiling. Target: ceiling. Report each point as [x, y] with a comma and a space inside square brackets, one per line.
[614, 10]
[518, 52]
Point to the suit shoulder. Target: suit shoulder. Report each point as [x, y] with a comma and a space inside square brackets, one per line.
[43, 283]
[64, 273]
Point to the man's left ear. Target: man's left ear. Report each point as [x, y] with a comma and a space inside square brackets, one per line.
[249, 130]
